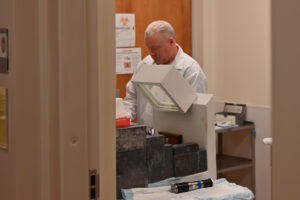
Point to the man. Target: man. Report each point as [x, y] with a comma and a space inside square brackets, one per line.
[160, 40]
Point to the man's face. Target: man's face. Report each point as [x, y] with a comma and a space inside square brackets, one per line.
[159, 46]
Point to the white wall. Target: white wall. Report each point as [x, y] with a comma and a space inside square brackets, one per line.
[235, 55]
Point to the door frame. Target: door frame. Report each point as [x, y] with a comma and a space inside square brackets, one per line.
[77, 97]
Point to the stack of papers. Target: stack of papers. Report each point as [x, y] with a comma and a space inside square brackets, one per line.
[225, 124]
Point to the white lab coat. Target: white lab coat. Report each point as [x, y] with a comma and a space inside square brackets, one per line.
[139, 106]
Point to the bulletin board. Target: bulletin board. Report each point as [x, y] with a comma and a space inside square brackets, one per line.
[176, 12]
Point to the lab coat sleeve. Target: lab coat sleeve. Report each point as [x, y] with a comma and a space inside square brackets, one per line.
[130, 100]
[196, 78]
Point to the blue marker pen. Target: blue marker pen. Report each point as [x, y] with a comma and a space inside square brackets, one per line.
[189, 186]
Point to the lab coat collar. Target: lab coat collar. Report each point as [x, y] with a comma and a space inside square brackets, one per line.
[175, 62]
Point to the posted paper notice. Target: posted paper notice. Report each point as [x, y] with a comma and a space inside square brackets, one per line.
[125, 30]
[127, 60]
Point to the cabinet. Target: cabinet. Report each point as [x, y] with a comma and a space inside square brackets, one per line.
[236, 154]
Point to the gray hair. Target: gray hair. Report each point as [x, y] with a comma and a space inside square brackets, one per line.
[160, 26]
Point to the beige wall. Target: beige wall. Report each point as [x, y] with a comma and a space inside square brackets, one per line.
[236, 55]
[232, 42]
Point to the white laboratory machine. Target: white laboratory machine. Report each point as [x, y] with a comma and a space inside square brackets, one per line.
[179, 109]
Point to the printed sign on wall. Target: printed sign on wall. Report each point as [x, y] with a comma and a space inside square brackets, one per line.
[3, 118]
[125, 30]
[3, 50]
[127, 60]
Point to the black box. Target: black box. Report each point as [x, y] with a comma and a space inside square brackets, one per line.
[131, 170]
[131, 163]
[131, 138]
[202, 162]
[186, 159]
[155, 157]
[168, 169]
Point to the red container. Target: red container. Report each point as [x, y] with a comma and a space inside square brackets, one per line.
[123, 122]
